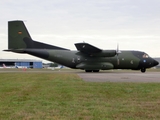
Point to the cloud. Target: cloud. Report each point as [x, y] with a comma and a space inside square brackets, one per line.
[133, 24]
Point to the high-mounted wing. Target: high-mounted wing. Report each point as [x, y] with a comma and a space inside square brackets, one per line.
[87, 48]
[94, 51]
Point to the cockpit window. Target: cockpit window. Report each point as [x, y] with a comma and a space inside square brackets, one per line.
[145, 56]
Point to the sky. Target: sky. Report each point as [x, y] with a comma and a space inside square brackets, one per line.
[133, 24]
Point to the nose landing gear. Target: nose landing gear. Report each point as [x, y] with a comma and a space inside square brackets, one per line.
[143, 70]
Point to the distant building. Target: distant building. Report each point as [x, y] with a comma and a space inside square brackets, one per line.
[20, 63]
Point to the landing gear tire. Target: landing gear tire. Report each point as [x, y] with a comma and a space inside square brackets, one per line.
[143, 70]
[92, 70]
[95, 70]
[88, 70]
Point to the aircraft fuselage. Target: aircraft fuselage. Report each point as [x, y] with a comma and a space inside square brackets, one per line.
[87, 57]
[74, 59]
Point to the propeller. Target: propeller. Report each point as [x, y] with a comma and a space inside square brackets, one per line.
[117, 53]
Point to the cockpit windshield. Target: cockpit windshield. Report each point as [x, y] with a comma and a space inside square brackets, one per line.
[145, 55]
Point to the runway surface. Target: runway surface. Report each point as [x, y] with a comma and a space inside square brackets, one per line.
[121, 77]
[102, 76]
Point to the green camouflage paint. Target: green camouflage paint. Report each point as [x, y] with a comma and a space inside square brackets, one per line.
[88, 57]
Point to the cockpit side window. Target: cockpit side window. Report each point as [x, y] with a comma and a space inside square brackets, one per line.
[145, 56]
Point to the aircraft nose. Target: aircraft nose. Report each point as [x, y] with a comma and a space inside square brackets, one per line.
[155, 62]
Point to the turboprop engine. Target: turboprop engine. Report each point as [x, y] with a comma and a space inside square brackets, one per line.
[105, 53]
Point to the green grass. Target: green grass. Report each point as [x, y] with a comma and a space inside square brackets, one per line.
[25, 96]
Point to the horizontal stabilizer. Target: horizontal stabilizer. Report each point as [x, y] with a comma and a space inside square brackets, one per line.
[15, 50]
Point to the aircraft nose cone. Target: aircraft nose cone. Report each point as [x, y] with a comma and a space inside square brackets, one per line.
[155, 63]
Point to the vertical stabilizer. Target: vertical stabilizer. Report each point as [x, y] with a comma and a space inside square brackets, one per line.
[17, 32]
[19, 38]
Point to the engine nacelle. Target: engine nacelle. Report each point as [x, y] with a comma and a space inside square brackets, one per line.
[105, 53]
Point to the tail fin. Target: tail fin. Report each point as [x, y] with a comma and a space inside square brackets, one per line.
[19, 38]
[4, 66]
[16, 34]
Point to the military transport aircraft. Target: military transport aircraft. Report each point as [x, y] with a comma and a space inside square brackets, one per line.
[87, 57]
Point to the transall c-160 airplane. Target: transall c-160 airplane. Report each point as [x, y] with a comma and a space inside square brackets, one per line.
[87, 57]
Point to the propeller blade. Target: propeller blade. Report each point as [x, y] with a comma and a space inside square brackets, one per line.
[118, 52]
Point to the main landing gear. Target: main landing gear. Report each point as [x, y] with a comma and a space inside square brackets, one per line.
[143, 70]
[92, 70]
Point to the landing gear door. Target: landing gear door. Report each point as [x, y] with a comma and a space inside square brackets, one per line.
[78, 59]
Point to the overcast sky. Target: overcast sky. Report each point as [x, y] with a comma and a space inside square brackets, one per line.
[133, 24]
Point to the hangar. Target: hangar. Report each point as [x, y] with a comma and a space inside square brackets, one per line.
[19, 63]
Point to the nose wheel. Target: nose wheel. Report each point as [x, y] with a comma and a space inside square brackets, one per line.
[143, 70]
